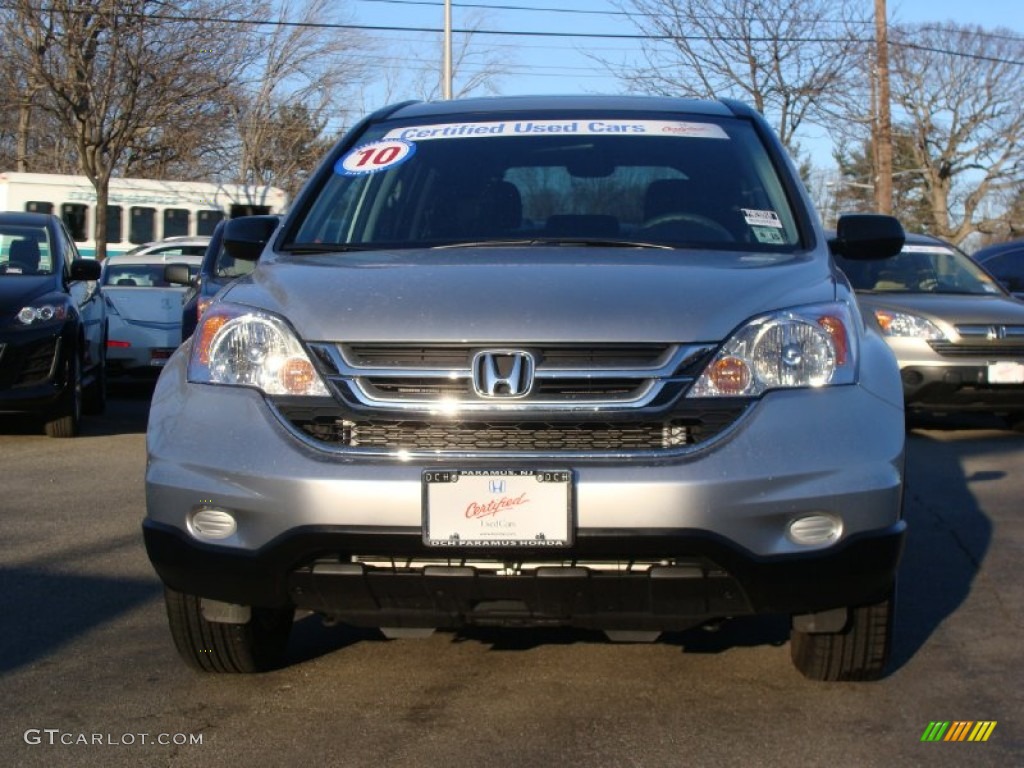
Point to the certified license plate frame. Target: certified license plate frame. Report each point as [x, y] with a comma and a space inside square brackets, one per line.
[514, 508]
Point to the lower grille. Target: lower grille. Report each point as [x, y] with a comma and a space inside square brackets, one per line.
[549, 438]
[38, 364]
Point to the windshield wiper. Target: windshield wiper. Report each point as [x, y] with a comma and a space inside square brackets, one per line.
[587, 242]
[301, 248]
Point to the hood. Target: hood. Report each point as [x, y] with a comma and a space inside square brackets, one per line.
[543, 293]
[17, 291]
[161, 306]
[951, 309]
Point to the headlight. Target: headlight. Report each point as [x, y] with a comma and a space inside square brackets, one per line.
[907, 325]
[803, 347]
[250, 348]
[44, 313]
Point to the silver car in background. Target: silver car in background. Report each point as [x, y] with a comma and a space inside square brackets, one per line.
[144, 311]
[536, 361]
[957, 333]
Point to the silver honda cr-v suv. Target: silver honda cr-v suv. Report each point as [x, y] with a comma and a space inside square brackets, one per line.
[579, 361]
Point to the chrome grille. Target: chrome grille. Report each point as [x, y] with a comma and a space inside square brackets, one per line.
[587, 401]
[1001, 348]
[459, 356]
[565, 376]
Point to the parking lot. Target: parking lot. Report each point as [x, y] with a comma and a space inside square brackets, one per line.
[90, 676]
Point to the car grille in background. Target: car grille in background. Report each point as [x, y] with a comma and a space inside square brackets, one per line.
[985, 341]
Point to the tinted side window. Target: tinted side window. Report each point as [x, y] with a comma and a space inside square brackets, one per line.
[114, 223]
[142, 225]
[74, 217]
[206, 221]
[175, 222]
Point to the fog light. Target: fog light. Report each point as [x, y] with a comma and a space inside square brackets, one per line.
[211, 523]
[815, 530]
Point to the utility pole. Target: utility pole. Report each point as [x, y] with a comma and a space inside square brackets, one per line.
[446, 75]
[882, 123]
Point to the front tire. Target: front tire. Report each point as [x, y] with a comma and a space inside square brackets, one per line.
[66, 418]
[207, 646]
[859, 651]
[95, 397]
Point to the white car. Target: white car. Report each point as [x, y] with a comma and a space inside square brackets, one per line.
[144, 311]
[171, 246]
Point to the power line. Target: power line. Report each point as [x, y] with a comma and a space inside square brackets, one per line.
[541, 34]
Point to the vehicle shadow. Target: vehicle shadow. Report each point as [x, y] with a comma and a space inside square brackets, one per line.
[949, 533]
[44, 609]
[127, 412]
[127, 409]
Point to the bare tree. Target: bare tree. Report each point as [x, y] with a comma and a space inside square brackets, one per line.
[958, 92]
[112, 72]
[791, 59]
[300, 77]
[476, 69]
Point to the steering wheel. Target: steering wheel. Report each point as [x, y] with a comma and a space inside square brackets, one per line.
[668, 221]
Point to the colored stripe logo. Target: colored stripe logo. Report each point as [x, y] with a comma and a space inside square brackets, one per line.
[959, 730]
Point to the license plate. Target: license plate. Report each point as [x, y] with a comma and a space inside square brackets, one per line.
[506, 508]
[160, 356]
[1006, 373]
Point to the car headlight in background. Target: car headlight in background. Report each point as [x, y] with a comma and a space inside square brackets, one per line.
[906, 325]
[246, 347]
[44, 313]
[802, 347]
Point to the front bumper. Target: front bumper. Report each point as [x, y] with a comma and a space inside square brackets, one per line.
[692, 537]
[958, 388]
[697, 576]
[31, 368]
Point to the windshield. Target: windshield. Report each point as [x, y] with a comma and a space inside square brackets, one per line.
[707, 183]
[25, 250]
[920, 269]
[139, 275]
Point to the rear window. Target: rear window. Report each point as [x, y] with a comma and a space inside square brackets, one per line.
[687, 182]
[138, 275]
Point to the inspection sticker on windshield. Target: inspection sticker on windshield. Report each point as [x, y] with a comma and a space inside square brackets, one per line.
[508, 508]
[564, 127]
[377, 156]
[757, 218]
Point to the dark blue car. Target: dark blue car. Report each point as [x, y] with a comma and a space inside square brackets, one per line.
[218, 269]
[1006, 263]
[53, 325]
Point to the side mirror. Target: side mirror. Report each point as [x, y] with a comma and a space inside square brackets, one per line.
[1011, 282]
[177, 274]
[85, 269]
[867, 237]
[245, 238]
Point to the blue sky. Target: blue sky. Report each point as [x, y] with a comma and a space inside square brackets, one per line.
[560, 64]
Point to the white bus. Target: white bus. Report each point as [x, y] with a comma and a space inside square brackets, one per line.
[138, 210]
